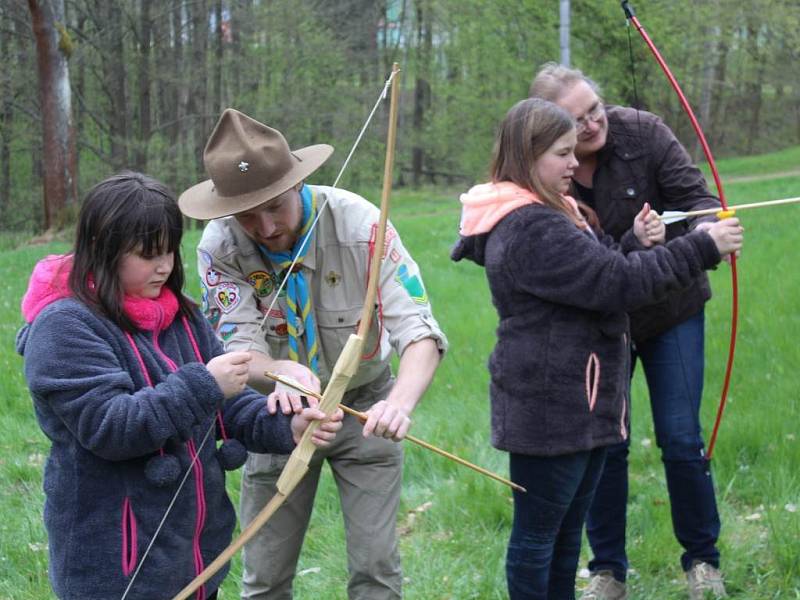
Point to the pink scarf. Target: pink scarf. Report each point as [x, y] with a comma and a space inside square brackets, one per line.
[48, 283]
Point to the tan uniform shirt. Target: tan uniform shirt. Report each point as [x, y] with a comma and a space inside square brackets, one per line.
[239, 284]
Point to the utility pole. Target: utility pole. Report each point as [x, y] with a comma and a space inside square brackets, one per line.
[564, 32]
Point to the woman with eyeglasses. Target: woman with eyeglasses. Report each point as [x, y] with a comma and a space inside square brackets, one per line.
[626, 158]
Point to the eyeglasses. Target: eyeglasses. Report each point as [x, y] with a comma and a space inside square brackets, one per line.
[594, 115]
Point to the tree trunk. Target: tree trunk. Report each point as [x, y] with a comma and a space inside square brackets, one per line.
[199, 96]
[109, 15]
[145, 123]
[720, 97]
[219, 48]
[80, 94]
[180, 97]
[6, 116]
[754, 87]
[241, 27]
[58, 136]
[422, 89]
[711, 35]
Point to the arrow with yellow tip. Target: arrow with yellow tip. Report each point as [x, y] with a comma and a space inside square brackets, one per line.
[673, 216]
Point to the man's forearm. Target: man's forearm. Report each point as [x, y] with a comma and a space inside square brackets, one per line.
[415, 373]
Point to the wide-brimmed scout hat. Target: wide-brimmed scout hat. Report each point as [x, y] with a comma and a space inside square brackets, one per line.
[249, 164]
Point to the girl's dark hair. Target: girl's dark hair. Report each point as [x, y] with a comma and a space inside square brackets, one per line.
[530, 127]
[129, 212]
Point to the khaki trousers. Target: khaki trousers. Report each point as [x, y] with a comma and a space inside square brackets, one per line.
[368, 475]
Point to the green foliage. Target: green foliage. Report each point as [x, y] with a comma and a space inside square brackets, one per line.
[313, 69]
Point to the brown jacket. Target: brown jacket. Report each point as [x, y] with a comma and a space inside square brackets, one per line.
[643, 161]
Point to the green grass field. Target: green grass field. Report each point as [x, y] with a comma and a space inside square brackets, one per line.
[454, 524]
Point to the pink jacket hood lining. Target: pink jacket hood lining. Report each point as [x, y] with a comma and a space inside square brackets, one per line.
[486, 204]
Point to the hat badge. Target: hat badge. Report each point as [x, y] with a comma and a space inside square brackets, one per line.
[244, 166]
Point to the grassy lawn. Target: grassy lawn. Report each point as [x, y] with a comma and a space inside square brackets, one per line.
[454, 524]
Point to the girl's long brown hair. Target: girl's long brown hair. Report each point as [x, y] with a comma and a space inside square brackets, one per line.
[530, 127]
[129, 212]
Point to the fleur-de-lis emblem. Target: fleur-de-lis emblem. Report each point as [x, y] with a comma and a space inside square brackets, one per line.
[244, 166]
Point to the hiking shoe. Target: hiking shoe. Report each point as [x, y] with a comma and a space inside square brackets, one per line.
[603, 586]
[705, 581]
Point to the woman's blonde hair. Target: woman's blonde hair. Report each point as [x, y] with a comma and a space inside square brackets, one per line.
[552, 80]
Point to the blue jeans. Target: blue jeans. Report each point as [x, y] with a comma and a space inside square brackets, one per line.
[545, 539]
[673, 366]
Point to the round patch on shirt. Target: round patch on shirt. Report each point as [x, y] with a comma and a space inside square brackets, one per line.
[212, 276]
[261, 282]
[227, 296]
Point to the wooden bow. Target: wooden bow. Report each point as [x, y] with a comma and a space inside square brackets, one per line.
[344, 369]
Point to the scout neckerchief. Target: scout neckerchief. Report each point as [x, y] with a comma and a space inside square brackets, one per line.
[298, 300]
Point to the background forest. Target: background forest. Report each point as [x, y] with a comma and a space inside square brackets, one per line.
[148, 78]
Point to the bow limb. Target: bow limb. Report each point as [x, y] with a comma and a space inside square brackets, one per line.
[344, 369]
[631, 16]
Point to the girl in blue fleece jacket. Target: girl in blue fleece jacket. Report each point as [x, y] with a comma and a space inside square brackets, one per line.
[127, 380]
[560, 370]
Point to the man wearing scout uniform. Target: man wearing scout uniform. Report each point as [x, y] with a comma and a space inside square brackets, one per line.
[261, 212]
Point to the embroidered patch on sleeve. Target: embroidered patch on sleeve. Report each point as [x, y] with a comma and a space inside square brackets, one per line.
[212, 316]
[227, 331]
[387, 240]
[261, 282]
[212, 276]
[203, 297]
[227, 296]
[412, 284]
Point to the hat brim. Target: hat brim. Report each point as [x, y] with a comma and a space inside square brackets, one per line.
[202, 201]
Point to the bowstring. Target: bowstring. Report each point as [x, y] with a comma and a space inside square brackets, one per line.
[381, 97]
[169, 508]
[299, 252]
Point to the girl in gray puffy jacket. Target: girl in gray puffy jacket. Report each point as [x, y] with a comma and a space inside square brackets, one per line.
[132, 388]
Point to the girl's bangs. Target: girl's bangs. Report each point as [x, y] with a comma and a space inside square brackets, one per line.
[156, 231]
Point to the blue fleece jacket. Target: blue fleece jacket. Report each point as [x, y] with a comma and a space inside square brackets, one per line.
[107, 423]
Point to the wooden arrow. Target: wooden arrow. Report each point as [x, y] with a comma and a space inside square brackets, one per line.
[363, 417]
[673, 216]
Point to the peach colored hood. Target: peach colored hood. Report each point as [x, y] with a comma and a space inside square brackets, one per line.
[485, 205]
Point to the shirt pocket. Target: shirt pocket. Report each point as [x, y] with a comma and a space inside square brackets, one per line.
[335, 326]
